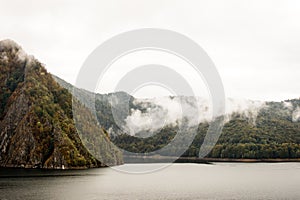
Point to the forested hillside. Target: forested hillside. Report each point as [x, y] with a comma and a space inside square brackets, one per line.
[269, 131]
[275, 134]
[37, 129]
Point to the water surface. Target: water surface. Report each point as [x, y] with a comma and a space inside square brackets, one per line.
[178, 181]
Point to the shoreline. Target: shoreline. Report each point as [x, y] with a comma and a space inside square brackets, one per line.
[233, 160]
[163, 159]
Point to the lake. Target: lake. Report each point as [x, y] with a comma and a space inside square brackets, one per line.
[177, 181]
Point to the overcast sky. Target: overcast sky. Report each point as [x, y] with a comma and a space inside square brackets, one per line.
[254, 44]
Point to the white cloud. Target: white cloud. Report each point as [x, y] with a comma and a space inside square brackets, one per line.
[296, 115]
[171, 111]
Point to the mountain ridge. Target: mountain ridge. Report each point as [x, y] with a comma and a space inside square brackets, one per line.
[268, 130]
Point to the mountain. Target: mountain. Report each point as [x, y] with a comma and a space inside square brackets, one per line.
[271, 130]
[101, 104]
[252, 129]
[37, 128]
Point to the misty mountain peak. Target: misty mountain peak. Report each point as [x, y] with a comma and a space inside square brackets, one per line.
[9, 44]
[11, 51]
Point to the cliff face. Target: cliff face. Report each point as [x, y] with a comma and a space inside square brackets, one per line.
[36, 120]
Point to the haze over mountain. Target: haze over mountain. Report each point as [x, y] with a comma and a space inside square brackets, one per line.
[252, 129]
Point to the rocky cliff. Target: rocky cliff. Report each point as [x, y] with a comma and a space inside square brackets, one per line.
[37, 129]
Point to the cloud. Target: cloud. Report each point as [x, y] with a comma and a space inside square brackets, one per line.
[162, 111]
[8, 48]
[288, 105]
[296, 114]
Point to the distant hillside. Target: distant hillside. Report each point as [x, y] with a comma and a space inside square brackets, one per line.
[254, 130]
[36, 120]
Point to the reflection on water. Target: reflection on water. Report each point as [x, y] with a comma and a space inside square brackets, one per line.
[178, 181]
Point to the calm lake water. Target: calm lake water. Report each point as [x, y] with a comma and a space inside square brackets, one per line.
[178, 181]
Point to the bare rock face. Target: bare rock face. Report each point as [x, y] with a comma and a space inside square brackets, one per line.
[36, 122]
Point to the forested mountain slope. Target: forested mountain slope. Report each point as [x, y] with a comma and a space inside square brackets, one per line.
[252, 129]
[36, 120]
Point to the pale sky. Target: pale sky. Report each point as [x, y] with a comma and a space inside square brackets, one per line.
[254, 44]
